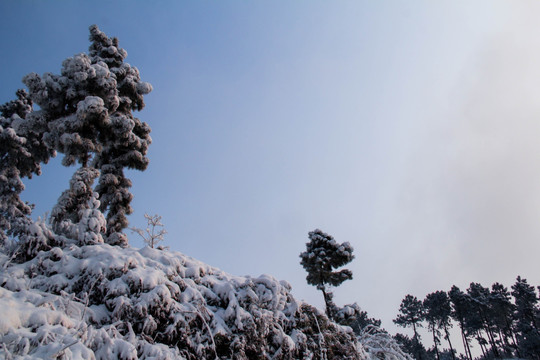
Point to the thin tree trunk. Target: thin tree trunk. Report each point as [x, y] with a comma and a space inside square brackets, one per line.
[435, 342]
[482, 346]
[465, 341]
[326, 302]
[449, 343]
[490, 336]
[512, 335]
[416, 341]
[466, 346]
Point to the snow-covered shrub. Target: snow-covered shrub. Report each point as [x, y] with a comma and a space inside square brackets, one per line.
[128, 303]
[379, 344]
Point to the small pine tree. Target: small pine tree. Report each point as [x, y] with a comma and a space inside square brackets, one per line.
[322, 256]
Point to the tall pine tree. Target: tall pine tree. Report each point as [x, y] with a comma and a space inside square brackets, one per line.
[411, 313]
[88, 112]
[437, 313]
[461, 308]
[528, 334]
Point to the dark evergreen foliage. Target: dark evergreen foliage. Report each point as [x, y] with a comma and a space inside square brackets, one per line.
[502, 328]
[526, 315]
[437, 311]
[85, 113]
[411, 313]
[22, 152]
[322, 257]
[460, 309]
[412, 347]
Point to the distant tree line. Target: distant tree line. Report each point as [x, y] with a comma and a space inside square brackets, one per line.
[503, 323]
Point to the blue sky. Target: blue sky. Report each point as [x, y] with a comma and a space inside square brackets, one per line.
[408, 129]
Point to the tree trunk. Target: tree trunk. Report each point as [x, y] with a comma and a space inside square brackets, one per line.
[466, 346]
[465, 341]
[449, 343]
[435, 342]
[490, 336]
[512, 335]
[481, 343]
[327, 303]
[416, 342]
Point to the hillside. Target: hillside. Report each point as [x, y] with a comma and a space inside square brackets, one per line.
[105, 302]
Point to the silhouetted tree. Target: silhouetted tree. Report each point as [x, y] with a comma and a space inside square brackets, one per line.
[460, 308]
[437, 313]
[502, 311]
[322, 257]
[480, 317]
[527, 332]
[411, 313]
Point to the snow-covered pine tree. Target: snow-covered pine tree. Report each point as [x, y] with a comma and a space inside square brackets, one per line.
[126, 143]
[88, 110]
[22, 151]
[92, 225]
[67, 213]
[12, 208]
[322, 257]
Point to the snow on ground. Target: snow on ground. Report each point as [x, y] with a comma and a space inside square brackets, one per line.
[106, 302]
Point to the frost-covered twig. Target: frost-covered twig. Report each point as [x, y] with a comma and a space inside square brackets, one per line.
[88, 295]
[151, 235]
[59, 352]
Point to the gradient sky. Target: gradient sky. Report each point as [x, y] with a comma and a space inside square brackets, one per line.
[408, 128]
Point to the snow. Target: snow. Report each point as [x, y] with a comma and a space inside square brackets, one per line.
[101, 302]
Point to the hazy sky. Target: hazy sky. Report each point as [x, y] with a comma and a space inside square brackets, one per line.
[408, 128]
